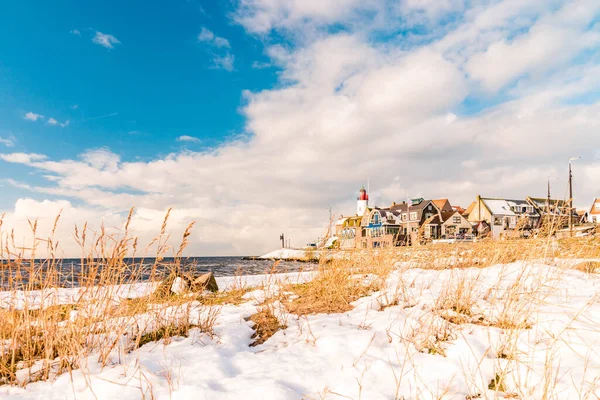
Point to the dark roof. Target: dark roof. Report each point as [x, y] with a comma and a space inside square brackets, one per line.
[402, 207]
[446, 215]
[435, 220]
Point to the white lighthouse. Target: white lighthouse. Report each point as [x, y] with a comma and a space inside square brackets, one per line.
[362, 202]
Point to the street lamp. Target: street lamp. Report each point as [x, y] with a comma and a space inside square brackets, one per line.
[571, 195]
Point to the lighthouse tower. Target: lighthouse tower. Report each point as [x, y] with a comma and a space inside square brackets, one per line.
[362, 202]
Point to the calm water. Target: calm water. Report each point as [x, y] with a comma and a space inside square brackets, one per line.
[69, 271]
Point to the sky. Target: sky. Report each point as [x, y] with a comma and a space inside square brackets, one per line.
[256, 117]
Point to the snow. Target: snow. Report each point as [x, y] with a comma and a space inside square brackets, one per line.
[34, 299]
[498, 207]
[379, 350]
[304, 254]
[289, 254]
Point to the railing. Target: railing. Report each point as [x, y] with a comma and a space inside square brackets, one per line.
[460, 237]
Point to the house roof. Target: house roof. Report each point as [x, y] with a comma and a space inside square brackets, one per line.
[389, 216]
[402, 207]
[504, 206]
[470, 208]
[459, 209]
[498, 206]
[442, 204]
[446, 215]
[341, 221]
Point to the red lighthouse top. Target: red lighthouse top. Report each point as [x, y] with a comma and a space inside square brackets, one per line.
[362, 194]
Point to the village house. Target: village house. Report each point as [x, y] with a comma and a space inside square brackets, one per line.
[504, 216]
[455, 226]
[554, 212]
[401, 223]
[381, 228]
[348, 231]
[594, 212]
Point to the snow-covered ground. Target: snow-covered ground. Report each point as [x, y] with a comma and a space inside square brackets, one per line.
[406, 341]
[304, 254]
[290, 254]
[35, 298]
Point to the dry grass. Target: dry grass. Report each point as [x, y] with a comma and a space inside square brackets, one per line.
[38, 330]
[266, 324]
[338, 283]
[232, 296]
[457, 298]
[590, 267]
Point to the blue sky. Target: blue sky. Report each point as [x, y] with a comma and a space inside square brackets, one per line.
[254, 117]
[157, 84]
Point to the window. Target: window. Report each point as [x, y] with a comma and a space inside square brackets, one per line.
[392, 230]
[375, 219]
[498, 221]
[597, 206]
[404, 217]
[456, 219]
[413, 216]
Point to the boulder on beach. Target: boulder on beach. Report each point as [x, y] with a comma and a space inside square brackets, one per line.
[181, 283]
[205, 282]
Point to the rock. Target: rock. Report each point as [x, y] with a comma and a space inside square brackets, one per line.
[205, 282]
[180, 285]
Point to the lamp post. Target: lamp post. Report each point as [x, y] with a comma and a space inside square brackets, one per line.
[571, 195]
[408, 232]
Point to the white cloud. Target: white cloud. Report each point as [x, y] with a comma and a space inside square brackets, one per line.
[221, 60]
[101, 159]
[205, 35]
[208, 37]
[261, 65]
[75, 106]
[186, 138]
[221, 42]
[224, 62]
[22, 158]
[260, 16]
[53, 121]
[75, 32]
[542, 48]
[8, 142]
[31, 116]
[105, 40]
